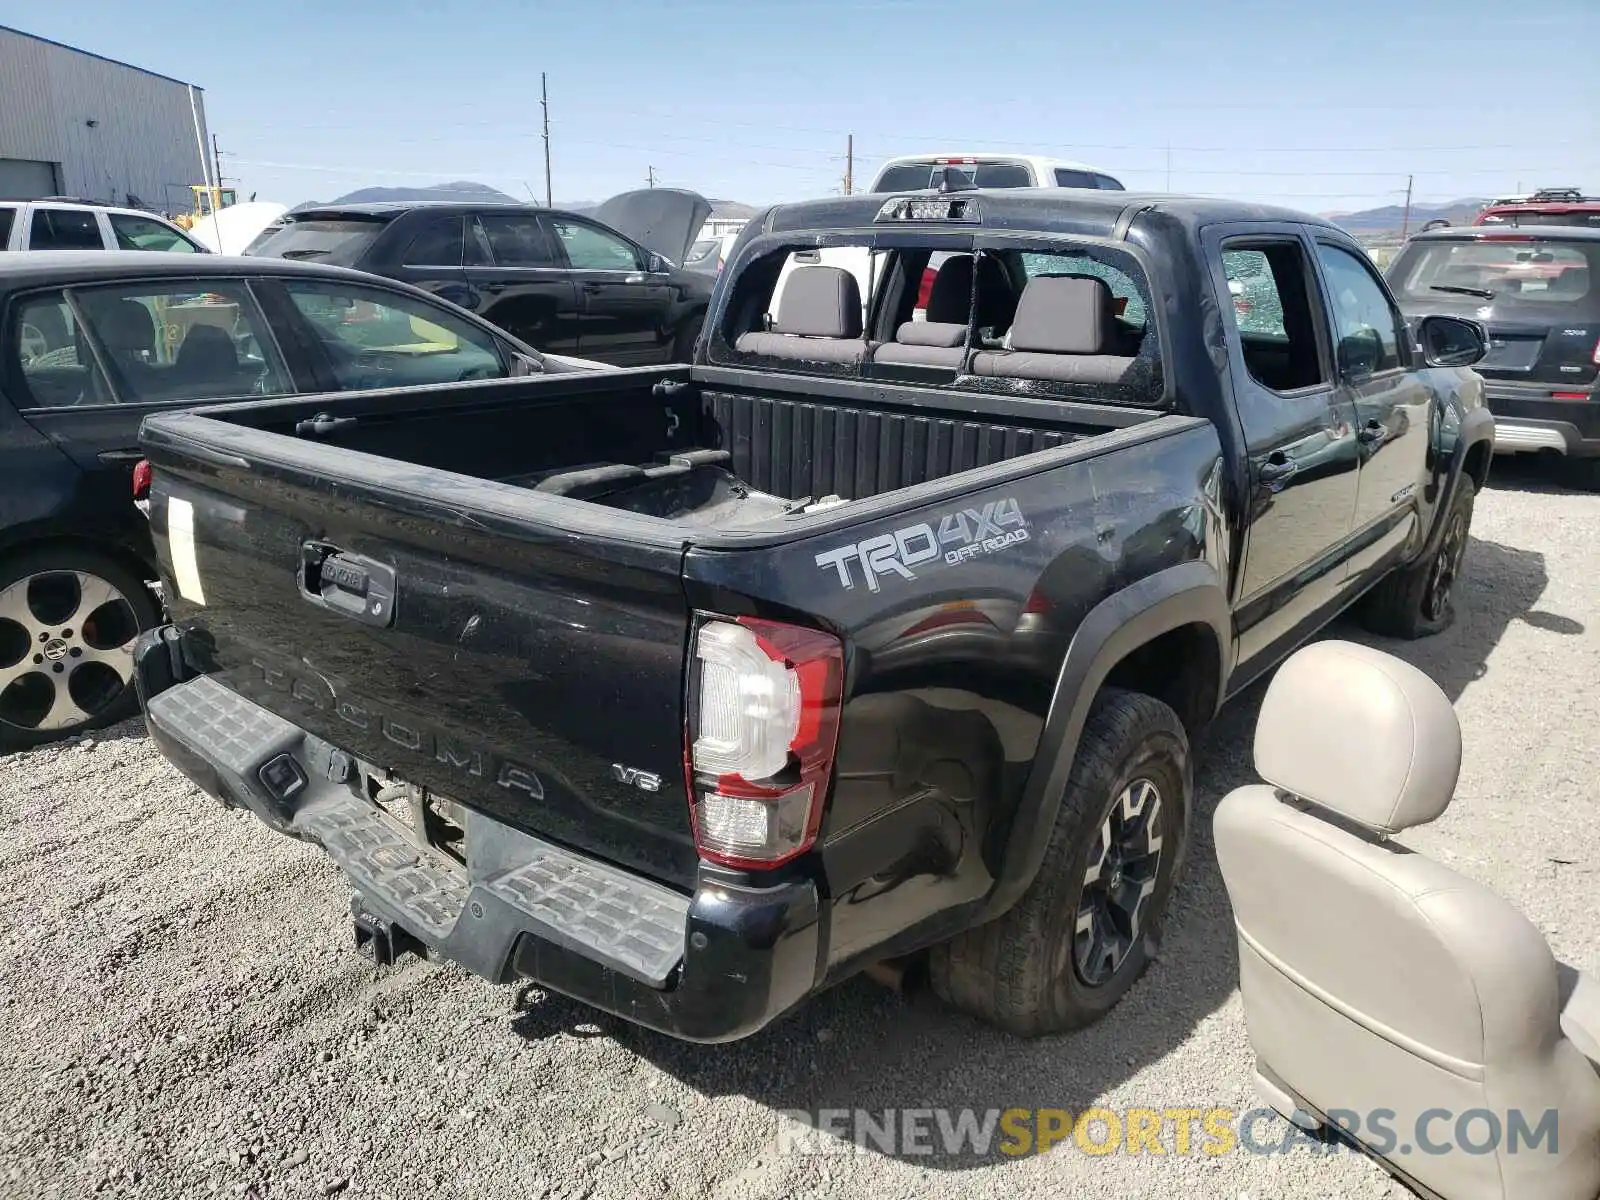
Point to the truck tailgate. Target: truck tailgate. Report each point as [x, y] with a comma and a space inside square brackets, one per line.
[444, 628]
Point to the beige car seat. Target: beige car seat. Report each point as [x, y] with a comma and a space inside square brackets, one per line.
[1377, 979]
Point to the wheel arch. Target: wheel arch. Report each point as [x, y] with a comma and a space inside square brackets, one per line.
[1125, 641]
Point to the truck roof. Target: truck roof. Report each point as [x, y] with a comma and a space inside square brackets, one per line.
[1041, 210]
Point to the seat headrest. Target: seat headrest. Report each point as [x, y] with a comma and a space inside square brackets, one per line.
[1360, 733]
[950, 297]
[208, 348]
[123, 324]
[820, 302]
[1065, 314]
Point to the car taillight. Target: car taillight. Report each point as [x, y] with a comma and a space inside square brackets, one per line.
[763, 730]
[141, 479]
[1569, 396]
[1595, 357]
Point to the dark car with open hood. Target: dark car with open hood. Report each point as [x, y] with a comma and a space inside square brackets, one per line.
[608, 286]
[1533, 288]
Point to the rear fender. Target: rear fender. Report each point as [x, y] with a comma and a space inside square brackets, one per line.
[1186, 594]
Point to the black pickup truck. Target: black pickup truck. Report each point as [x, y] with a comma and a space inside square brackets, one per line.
[879, 632]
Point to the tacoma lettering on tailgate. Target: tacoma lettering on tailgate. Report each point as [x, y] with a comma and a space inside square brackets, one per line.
[407, 734]
[958, 537]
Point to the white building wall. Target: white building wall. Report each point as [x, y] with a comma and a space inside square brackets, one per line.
[113, 130]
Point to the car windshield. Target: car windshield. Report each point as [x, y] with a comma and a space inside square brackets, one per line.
[912, 176]
[1526, 272]
[321, 239]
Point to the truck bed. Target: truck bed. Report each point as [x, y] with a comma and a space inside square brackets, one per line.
[707, 455]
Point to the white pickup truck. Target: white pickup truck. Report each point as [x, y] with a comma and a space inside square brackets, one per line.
[916, 172]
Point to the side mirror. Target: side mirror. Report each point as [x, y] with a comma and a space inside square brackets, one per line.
[1360, 353]
[1451, 341]
[655, 264]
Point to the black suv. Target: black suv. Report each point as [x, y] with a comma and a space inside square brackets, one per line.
[1535, 289]
[608, 287]
[90, 344]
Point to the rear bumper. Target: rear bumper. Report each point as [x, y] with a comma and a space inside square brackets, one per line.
[1527, 419]
[714, 966]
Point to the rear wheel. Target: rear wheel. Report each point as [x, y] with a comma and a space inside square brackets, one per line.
[68, 622]
[1088, 925]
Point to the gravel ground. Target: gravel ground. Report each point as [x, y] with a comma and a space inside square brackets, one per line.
[185, 1016]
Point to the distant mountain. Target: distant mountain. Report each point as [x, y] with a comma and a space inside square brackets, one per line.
[462, 190]
[1374, 222]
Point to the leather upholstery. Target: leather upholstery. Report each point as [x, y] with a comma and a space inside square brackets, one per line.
[1394, 761]
[1376, 978]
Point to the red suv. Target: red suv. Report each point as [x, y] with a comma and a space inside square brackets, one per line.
[1552, 206]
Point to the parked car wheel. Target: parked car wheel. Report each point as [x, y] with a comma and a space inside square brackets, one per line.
[683, 344]
[68, 622]
[1419, 601]
[1089, 924]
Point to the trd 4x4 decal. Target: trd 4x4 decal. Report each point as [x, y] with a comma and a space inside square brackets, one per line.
[957, 537]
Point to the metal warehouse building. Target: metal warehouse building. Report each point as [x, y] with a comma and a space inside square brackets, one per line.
[76, 124]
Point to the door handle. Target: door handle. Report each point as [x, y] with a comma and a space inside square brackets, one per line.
[1277, 470]
[636, 277]
[592, 288]
[360, 588]
[1371, 433]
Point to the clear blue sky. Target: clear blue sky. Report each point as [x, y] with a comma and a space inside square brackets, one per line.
[1321, 106]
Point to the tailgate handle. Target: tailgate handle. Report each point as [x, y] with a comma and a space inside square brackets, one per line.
[360, 588]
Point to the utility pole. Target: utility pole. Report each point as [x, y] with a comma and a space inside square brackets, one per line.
[216, 170]
[544, 103]
[849, 162]
[650, 176]
[1405, 221]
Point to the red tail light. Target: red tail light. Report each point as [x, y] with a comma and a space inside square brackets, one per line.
[929, 274]
[141, 479]
[1569, 396]
[1595, 357]
[761, 738]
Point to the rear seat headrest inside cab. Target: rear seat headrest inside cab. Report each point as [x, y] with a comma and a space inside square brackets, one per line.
[1065, 314]
[823, 302]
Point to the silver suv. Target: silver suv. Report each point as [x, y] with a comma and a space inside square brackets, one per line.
[61, 224]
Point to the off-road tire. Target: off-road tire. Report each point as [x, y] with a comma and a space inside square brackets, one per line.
[1018, 972]
[1405, 603]
[146, 613]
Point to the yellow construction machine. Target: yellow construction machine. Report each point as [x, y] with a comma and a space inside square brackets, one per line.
[207, 200]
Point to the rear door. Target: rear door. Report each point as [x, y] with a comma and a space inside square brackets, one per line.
[517, 279]
[55, 228]
[1393, 406]
[431, 258]
[624, 304]
[88, 364]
